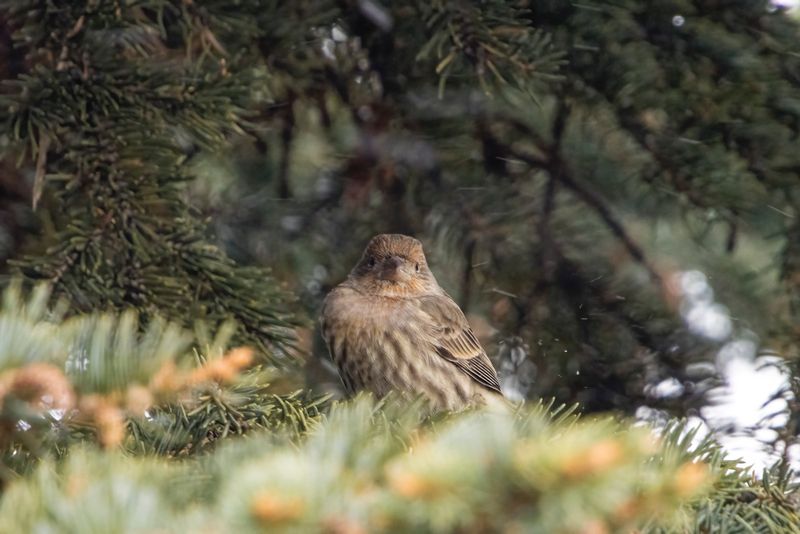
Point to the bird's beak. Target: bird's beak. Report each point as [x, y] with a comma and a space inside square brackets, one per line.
[391, 269]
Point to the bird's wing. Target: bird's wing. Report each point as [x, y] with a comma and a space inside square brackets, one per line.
[455, 342]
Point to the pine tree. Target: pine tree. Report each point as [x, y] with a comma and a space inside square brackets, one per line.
[563, 164]
[113, 102]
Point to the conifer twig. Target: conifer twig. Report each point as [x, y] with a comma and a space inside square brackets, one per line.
[557, 169]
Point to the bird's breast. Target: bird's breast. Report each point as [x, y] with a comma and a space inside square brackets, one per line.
[367, 332]
[364, 312]
[383, 345]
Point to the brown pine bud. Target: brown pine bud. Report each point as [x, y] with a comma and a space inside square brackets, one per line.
[43, 386]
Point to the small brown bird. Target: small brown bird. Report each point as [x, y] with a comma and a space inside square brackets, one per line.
[390, 327]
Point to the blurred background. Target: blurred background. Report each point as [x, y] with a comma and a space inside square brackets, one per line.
[608, 189]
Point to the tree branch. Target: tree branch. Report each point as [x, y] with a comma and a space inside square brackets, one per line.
[557, 169]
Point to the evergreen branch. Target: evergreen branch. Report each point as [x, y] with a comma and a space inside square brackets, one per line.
[89, 378]
[373, 468]
[593, 200]
[616, 475]
[491, 40]
[382, 468]
[126, 236]
[559, 171]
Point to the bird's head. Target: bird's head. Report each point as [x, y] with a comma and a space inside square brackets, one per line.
[394, 265]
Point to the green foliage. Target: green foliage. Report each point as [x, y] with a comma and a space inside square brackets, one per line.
[364, 466]
[739, 500]
[214, 414]
[105, 379]
[92, 492]
[27, 336]
[373, 468]
[493, 41]
[123, 235]
[563, 163]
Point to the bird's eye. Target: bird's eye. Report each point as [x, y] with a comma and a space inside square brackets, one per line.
[371, 262]
[417, 267]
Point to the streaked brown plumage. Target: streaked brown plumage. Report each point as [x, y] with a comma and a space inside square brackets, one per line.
[390, 327]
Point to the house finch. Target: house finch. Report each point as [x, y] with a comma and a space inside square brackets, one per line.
[390, 327]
